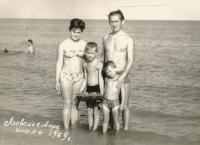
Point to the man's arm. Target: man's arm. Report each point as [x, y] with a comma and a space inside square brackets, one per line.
[101, 85]
[102, 52]
[130, 52]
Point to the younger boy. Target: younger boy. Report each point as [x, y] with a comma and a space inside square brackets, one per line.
[111, 96]
[94, 81]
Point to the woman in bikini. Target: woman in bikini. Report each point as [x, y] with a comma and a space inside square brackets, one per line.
[69, 71]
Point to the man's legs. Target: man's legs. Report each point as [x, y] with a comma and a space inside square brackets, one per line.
[126, 111]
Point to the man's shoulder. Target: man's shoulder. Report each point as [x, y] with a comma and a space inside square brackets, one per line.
[106, 36]
[125, 35]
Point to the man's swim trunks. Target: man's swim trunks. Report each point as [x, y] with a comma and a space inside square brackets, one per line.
[127, 79]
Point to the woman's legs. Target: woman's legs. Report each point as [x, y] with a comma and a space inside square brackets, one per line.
[75, 102]
[66, 93]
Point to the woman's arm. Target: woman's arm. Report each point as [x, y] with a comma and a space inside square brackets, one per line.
[59, 65]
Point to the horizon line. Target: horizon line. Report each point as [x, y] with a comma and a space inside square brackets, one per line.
[101, 19]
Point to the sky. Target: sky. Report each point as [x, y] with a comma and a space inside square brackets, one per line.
[99, 9]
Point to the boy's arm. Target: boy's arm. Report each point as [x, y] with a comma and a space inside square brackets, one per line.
[123, 97]
[101, 84]
[84, 80]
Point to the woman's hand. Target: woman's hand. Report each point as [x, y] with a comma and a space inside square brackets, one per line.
[57, 87]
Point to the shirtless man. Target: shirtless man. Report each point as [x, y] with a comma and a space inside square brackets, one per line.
[31, 48]
[119, 48]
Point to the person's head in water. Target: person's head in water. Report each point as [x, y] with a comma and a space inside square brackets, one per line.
[76, 28]
[30, 42]
[116, 20]
[6, 50]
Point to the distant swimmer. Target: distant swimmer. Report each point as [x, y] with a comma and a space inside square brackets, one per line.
[6, 50]
[31, 48]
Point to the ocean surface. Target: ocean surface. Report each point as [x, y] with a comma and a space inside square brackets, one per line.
[165, 84]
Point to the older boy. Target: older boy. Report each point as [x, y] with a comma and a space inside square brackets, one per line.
[94, 81]
[111, 96]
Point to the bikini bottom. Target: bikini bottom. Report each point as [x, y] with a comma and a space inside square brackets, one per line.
[74, 78]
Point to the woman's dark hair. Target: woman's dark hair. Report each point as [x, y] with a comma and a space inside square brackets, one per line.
[31, 41]
[77, 23]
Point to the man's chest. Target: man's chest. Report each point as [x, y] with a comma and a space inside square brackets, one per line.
[115, 44]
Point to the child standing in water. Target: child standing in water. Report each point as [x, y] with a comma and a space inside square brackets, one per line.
[94, 82]
[111, 96]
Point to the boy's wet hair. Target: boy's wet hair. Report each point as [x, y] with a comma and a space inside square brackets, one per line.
[77, 23]
[118, 12]
[30, 41]
[91, 46]
[107, 64]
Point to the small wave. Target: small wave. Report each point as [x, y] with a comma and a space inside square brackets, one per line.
[161, 115]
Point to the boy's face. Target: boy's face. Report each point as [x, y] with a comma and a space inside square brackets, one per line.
[110, 72]
[91, 54]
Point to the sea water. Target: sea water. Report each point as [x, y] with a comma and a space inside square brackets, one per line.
[165, 84]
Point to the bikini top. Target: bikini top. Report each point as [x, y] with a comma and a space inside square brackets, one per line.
[73, 53]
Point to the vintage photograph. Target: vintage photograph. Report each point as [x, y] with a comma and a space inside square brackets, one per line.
[98, 72]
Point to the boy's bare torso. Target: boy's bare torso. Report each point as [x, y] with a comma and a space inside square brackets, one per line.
[92, 73]
[111, 91]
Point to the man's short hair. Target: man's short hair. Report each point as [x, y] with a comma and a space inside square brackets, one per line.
[77, 23]
[107, 64]
[91, 46]
[118, 12]
[30, 41]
